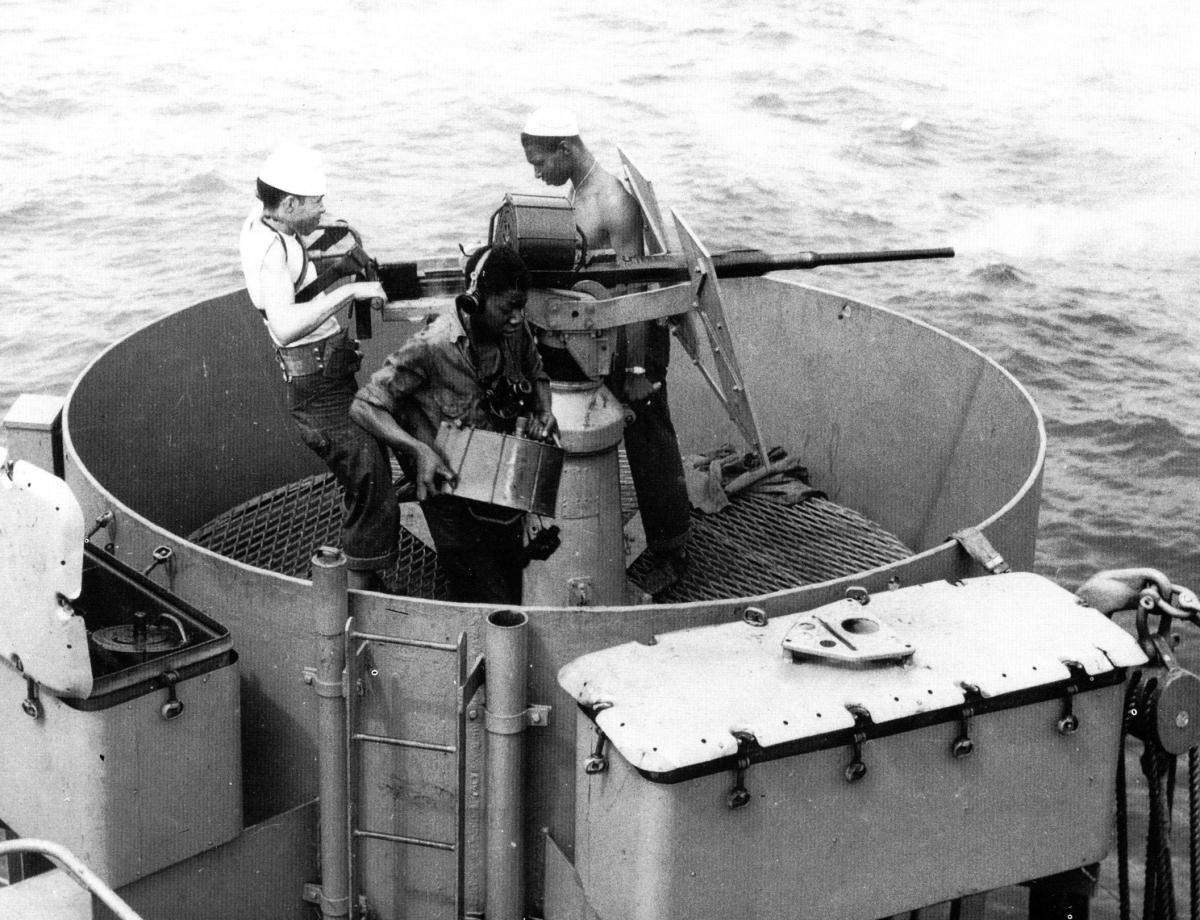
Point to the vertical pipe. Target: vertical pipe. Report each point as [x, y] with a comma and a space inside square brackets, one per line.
[331, 608]
[588, 569]
[506, 656]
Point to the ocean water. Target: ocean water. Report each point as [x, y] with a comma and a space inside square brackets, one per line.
[1055, 145]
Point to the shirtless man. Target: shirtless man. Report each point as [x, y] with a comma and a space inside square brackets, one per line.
[609, 217]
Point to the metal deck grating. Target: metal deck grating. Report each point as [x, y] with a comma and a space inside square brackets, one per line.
[755, 546]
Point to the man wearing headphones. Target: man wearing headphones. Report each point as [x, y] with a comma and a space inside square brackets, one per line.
[478, 367]
[317, 355]
[609, 217]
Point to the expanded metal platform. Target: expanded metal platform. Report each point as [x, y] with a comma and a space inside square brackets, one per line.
[758, 544]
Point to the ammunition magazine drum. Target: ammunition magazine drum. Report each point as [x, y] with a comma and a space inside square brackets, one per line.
[541, 228]
[502, 469]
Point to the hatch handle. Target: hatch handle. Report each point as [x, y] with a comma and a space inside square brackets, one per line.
[183, 636]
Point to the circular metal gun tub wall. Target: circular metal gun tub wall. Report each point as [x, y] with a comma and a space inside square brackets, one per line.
[187, 418]
[914, 429]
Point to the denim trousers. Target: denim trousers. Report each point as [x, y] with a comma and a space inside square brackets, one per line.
[657, 470]
[483, 558]
[320, 406]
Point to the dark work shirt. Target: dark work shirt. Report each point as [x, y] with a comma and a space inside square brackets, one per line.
[433, 378]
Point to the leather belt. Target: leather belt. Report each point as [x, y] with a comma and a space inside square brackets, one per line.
[299, 360]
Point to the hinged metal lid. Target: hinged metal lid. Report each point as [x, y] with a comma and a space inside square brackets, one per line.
[683, 701]
[41, 569]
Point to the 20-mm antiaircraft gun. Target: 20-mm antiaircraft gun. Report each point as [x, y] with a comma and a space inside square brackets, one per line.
[573, 295]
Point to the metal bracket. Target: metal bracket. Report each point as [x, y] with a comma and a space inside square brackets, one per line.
[536, 716]
[331, 689]
[579, 591]
[643, 193]
[979, 548]
[730, 387]
[313, 893]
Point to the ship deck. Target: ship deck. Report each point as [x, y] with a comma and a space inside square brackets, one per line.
[757, 545]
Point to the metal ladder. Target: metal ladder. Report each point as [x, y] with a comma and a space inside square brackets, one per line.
[467, 683]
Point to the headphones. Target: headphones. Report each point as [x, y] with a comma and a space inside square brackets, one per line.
[468, 301]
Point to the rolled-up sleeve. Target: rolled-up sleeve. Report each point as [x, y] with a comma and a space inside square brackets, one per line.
[403, 373]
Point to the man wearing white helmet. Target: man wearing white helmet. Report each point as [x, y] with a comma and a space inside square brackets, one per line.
[610, 218]
[317, 355]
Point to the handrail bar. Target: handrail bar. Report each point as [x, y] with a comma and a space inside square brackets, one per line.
[74, 867]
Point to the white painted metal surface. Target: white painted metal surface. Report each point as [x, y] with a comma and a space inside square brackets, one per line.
[679, 702]
[41, 548]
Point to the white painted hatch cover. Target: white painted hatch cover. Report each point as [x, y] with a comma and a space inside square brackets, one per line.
[678, 704]
[41, 571]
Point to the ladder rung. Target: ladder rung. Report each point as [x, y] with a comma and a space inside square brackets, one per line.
[410, 841]
[405, 743]
[412, 643]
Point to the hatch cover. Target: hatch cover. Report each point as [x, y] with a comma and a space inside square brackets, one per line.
[41, 543]
[685, 701]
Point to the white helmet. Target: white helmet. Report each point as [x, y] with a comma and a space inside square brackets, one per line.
[294, 169]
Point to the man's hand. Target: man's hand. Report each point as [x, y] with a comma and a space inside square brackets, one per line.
[543, 426]
[1119, 589]
[638, 385]
[430, 468]
[367, 290]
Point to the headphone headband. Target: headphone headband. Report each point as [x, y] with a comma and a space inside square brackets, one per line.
[468, 301]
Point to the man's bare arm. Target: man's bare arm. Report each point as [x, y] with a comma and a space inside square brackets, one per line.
[623, 220]
[430, 465]
[288, 320]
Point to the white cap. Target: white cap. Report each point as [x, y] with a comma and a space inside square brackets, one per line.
[294, 169]
[551, 122]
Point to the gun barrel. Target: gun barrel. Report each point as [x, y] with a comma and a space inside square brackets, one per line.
[737, 263]
[409, 280]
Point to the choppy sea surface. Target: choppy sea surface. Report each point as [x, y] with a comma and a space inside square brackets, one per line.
[1055, 145]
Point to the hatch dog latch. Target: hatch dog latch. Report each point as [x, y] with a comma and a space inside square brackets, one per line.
[1068, 722]
[963, 746]
[856, 769]
[738, 796]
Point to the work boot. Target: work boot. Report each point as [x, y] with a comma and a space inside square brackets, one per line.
[666, 568]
